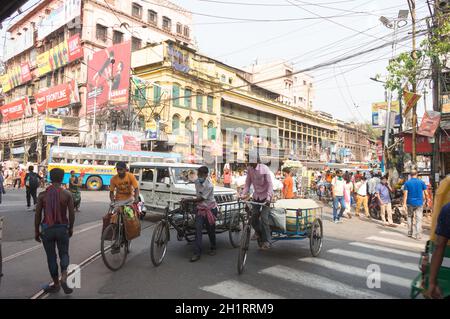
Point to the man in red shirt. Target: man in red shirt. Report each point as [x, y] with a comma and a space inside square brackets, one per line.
[288, 184]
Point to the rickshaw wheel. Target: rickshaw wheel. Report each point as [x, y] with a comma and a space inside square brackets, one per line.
[315, 237]
[243, 249]
[235, 231]
[158, 247]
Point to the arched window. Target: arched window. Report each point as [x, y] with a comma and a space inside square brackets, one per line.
[176, 94]
[188, 129]
[200, 131]
[199, 100]
[211, 131]
[176, 124]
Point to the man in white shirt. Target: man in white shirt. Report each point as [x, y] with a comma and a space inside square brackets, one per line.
[337, 186]
[362, 197]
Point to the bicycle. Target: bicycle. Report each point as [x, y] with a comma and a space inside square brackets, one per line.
[114, 245]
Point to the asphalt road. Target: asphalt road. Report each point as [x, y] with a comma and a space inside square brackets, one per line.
[285, 271]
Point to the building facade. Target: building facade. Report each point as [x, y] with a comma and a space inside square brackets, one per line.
[353, 144]
[294, 89]
[34, 64]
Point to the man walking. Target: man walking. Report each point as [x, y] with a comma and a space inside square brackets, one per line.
[32, 181]
[382, 192]
[56, 228]
[288, 184]
[337, 188]
[414, 193]
[362, 198]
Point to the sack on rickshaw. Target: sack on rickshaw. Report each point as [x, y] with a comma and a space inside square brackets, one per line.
[277, 219]
[131, 222]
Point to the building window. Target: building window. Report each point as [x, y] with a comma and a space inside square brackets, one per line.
[135, 44]
[179, 28]
[186, 32]
[188, 128]
[176, 125]
[304, 82]
[210, 104]
[187, 98]
[176, 95]
[156, 94]
[101, 32]
[152, 17]
[200, 131]
[199, 101]
[136, 11]
[211, 131]
[117, 37]
[167, 24]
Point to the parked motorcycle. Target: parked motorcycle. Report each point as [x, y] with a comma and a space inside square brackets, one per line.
[399, 214]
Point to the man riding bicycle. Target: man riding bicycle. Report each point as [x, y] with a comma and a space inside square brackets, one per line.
[258, 176]
[123, 185]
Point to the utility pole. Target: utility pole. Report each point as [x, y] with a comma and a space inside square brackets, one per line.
[412, 8]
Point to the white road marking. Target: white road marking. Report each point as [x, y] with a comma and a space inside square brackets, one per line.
[356, 271]
[321, 283]
[386, 249]
[373, 259]
[397, 242]
[237, 290]
[23, 252]
[384, 232]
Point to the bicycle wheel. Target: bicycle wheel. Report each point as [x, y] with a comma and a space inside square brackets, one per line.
[243, 249]
[114, 247]
[235, 231]
[315, 237]
[158, 247]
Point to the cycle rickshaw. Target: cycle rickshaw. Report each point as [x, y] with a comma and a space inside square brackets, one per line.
[231, 219]
[420, 284]
[303, 219]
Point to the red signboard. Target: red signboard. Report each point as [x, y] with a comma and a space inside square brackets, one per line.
[423, 144]
[26, 74]
[131, 143]
[109, 77]
[430, 123]
[15, 110]
[75, 48]
[58, 96]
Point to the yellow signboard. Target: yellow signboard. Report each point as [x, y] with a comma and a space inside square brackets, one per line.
[395, 106]
[446, 104]
[4, 81]
[43, 63]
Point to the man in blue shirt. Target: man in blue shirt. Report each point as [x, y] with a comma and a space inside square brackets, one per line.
[414, 193]
[442, 237]
[382, 192]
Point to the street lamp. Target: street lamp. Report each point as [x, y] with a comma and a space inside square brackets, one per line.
[395, 24]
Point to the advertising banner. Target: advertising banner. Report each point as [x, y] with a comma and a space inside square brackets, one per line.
[446, 104]
[410, 99]
[151, 129]
[15, 110]
[109, 77]
[122, 141]
[59, 16]
[53, 126]
[58, 96]
[379, 111]
[67, 51]
[16, 76]
[430, 123]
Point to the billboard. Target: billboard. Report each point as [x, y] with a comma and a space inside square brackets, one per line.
[67, 51]
[16, 75]
[122, 141]
[15, 110]
[109, 77]
[430, 122]
[379, 111]
[59, 16]
[57, 96]
[53, 126]
[446, 104]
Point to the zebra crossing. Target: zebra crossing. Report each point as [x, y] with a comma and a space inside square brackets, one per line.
[339, 272]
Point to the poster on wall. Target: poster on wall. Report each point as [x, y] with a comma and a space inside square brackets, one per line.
[109, 78]
[430, 123]
[122, 141]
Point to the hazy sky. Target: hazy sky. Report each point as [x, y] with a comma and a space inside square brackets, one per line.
[349, 26]
[315, 32]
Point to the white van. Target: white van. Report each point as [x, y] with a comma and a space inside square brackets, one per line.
[166, 183]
